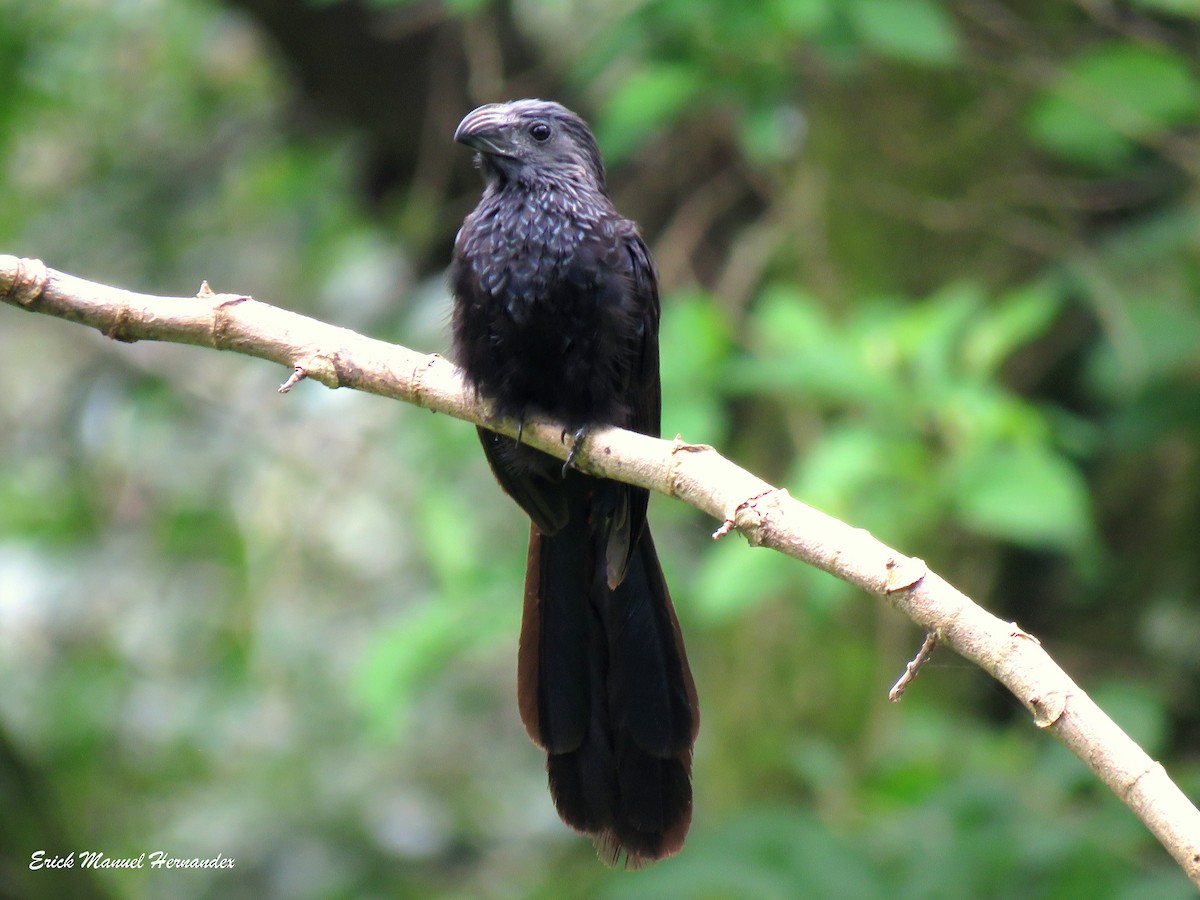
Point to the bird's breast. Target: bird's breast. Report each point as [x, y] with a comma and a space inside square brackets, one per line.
[533, 274]
[522, 253]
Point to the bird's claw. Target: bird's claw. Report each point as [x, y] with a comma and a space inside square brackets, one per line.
[576, 443]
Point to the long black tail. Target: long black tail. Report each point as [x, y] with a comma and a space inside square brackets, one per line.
[604, 687]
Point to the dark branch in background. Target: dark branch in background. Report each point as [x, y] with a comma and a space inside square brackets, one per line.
[25, 785]
[400, 75]
[694, 473]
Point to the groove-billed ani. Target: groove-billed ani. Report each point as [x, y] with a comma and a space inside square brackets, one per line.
[556, 311]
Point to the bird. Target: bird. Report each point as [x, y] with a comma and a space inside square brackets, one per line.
[556, 313]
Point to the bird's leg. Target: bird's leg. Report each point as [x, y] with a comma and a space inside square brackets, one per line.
[520, 425]
[576, 443]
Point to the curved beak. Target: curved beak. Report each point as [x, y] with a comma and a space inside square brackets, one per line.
[483, 129]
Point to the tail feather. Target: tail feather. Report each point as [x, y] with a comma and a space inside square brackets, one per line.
[604, 687]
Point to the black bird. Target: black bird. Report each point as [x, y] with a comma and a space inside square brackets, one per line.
[556, 312]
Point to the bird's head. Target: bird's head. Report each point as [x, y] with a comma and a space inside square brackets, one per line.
[531, 140]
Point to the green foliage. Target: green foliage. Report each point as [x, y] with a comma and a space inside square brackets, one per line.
[698, 341]
[912, 398]
[1113, 98]
[1175, 7]
[1024, 494]
[935, 276]
[930, 824]
[651, 98]
[918, 31]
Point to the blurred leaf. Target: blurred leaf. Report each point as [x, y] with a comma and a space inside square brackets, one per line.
[801, 16]
[731, 581]
[1025, 494]
[786, 317]
[1111, 98]
[402, 658]
[1189, 8]
[848, 460]
[873, 476]
[43, 506]
[917, 31]
[799, 352]
[1154, 342]
[773, 134]
[450, 539]
[773, 853]
[650, 98]
[1160, 885]
[464, 8]
[1138, 709]
[1011, 322]
[694, 344]
[201, 531]
[818, 762]
[931, 332]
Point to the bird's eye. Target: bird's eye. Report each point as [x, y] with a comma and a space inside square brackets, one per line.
[539, 131]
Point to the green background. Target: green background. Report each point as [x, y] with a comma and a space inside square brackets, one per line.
[932, 267]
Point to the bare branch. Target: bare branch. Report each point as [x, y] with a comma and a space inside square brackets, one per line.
[694, 473]
[913, 668]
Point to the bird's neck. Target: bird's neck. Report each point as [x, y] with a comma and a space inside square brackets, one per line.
[512, 178]
[549, 198]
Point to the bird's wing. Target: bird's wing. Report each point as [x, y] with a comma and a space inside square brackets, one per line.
[532, 478]
[642, 389]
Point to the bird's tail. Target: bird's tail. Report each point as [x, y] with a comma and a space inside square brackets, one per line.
[604, 687]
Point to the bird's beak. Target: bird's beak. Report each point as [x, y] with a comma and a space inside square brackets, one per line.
[483, 128]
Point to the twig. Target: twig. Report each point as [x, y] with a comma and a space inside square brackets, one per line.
[294, 379]
[913, 668]
[696, 474]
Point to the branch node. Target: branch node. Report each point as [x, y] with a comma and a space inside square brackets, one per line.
[298, 375]
[904, 574]
[28, 282]
[1048, 708]
[118, 329]
[1021, 634]
[752, 529]
[331, 370]
[205, 292]
[913, 668]
[1155, 768]
[680, 444]
[673, 471]
[221, 320]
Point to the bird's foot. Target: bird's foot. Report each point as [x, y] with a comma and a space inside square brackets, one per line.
[576, 443]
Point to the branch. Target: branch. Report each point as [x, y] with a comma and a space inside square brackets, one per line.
[694, 473]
